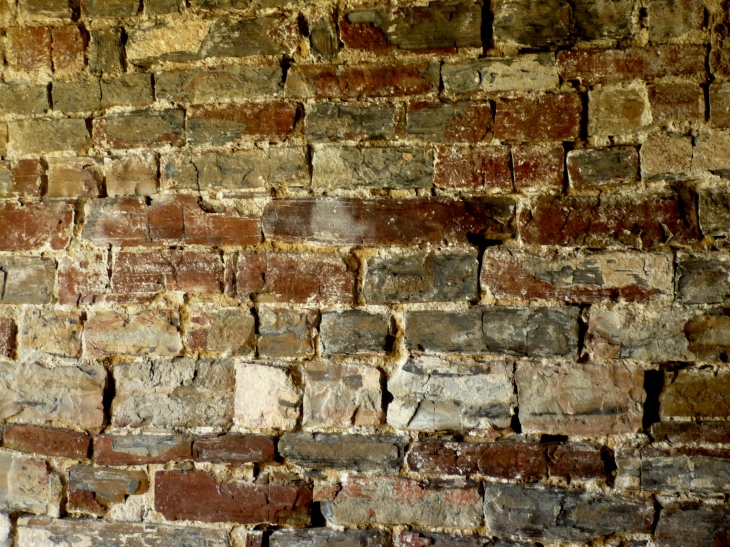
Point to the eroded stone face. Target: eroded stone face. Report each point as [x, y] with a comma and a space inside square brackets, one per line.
[695, 393]
[275, 408]
[27, 485]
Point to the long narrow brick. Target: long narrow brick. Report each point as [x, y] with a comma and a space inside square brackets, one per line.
[703, 526]
[47, 441]
[43, 136]
[141, 449]
[198, 86]
[219, 125]
[530, 72]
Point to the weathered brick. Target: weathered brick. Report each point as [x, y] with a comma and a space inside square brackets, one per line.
[47, 441]
[106, 52]
[168, 220]
[674, 18]
[603, 66]
[703, 278]
[196, 495]
[664, 157]
[226, 331]
[48, 333]
[146, 333]
[530, 72]
[43, 532]
[538, 167]
[21, 179]
[591, 168]
[642, 220]
[141, 449]
[618, 110]
[399, 501]
[28, 54]
[276, 407]
[354, 332]
[352, 82]
[26, 279]
[44, 226]
[551, 513]
[338, 122]
[127, 90]
[710, 153]
[585, 400]
[92, 490]
[43, 136]
[81, 96]
[218, 125]
[464, 121]
[83, 279]
[299, 278]
[693, 525]
[695, 393]
[577, 277]
[341, 394]
[323, 39]
[387, 222]
[173, 394]
[27, 485]
[131, 175]
[325, 537]
[235, 83]
[286, 333]
[68, 52]
[74, 177]
[361, 453]
[111, 8]
[32, 393]
[691, 432]
[473, 168]
[23, 100]
[550, 117]
[141, 129]
[676, 102]
[431, 394]
[45, 8]
[234, 449]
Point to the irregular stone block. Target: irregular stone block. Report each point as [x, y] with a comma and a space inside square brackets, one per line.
[47, 333]
[43, 136]
[321, 537]
[226, 331]
[674, 18]
[275, 407]
[530, 72]
[703, 278]
[602, 167]
[474, 168]
[714, 207]
[69, 51]
[92, 490]
[695, 393]
[286, 333]
[464, 121]
[21, 179]
[26, 280]
[547, 118]
[131, 175]
[46, 8]
[111, 8]
[80, 96]
[212, 86]
[323, 39]
[339, 122]
[234, 449]
[28, 55]
[106, 52]
[47, 441]
[436, 539]
[146, 333]
[700, 526]
[24, 100]
[691, 432]
[677, 102]
[27, 485]
[354, 332]
[141, 449]
[618, 110]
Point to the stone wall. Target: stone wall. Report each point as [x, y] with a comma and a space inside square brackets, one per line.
[280, 273]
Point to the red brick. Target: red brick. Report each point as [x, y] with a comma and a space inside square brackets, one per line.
[677, 102]
[300, 278]
[577, 461]
[47, 441]
[363, 36]
[35, 226]
[538, 168]
[196, 495]
[68, 51]
[141, 449]
[8, 331]
[600, 66]
[234, 449]
[83, 279]
[464, 121]
[388, 222]
[208, 124]
[28, 53]
[472, 168]
[550, 117]
[350, 82]
[642, 221]
[21, 180]
[168, 220]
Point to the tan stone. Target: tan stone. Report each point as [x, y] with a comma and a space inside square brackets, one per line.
[27, 485]
[147, 333]
[618, 110]
[49, 333]
[131, 175]
[274, 407]
[74, 177]
[665, 157]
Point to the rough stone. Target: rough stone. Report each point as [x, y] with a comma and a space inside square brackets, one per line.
[546, 118]
[131, 175]
[437, 539]
[286, 333]
[695, 393]
[677, 102]
[8, 332]
[141, 449]
[618, 110]
[92, 490]
[323, 39]
[141, 129]
[128, 90]
[43, 136]
[703, 278]
[714, 207]
[324, 537]
[538, 167]
[235, 449]
[700, 526]
[68, 52]
[464, 121]
[48, 333]
[24, 100]
[27, 485]
[146, 333]
[83, 279]
[81, 96]
[106, 52]
[26, 280]
[473, 168]
[219, 125]
[74, 177]
[46, 441]
[275, 408]
[710, 153]
[234, 83]
[45, 8]
[338, 122]
[603, 167]
[691, 432]
[529, 72]
[28, 54]
[670, 19]
[354, 332]
[664, 157]
[225, 331]
[111, 8]
[21, 179]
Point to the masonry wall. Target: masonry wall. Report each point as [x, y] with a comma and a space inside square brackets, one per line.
[279, 273]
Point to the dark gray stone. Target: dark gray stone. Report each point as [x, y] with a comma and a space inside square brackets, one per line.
[76, 96]
[602, 167]
[353, 332]
[323, 38]
[464, 121]
[326, 537]
[339, 122]
[714, 207]
[696, 526]
[436, 539]
[445, 331]
[424, 277]
[348, 452]
[108, 484]
[528, 72]
[685, 470]
[106, 52]
[286, 333]
[703, 279]
[207, 86]
[229, 37]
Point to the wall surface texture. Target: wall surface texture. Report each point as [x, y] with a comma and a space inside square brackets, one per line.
[280, 273]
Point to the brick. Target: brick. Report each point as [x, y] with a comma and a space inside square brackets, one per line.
[21, 179]
[218, 125]
[151, 333]
[354, 332]
[182, 393]
[364, 36]
[710, 154]
[82, 96]
[27, 280]
[693, 525]
[579, 461]
[695, 393]
[677, 102]
[234, 449]
[275, 408]
[225, 331]
[43, 532]
[664, 157]
[46, 441]
[111, 8]
[530, 72]
[23, 100]
[128, 90]
[59, 9]
[512, 274]
[327, 537]
[68, 52]
[403, 167]
[106, 52]
[141, 449]
[32, 393]
[605, 66]
[436, 26]
[691, 432]
[703, 278]
[286, 333]
[168, 220]
[352, 82]
[361, 453]
[552, 513]
[421, 277]
[74, 177]
[464, 121]
[140, 129]
[44, 226]
[299, 278]
[598, 167]
[341, 394]
[373, 221]
[196, 495]
[83, 279]
[49, 333]
[92, 489]
[213, 86]
[618, 111]
[538, 167]
[131, 175]
[27, 485]
[473, 168]
[643, 220]
[28, 54]
[534, 332]
[674, 18]
[8, 333]
[43, 136]
[323, 39]
[400, 501]
[550, 117]
[431, 394]
[339, 122]
[585, 400]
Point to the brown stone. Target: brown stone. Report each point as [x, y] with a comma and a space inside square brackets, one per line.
[28, 54]
[111, 8]
[127, 90]
[224, 331]
[8, 331]
[720, 104]
[691, 432]
[131, 175]
[45, 8]
[695, 393]
[538, 167]
[80, 96]
[618, 110]
[286, 333]
[141, 449]
[235, 449]
[68, 52]
[47, 333]
[677, 102]
[141, 129]
[47, 441]
[591, 168]
[93, 489]
[670, 19]
[218, 125]
[21, 180]
[74, 177]
[464, 121]
[23, 100]
[44, 136]
[473, 168]
[106, 52]
[664, 157]
[26, 279]
[83, 279]
[550, 117]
